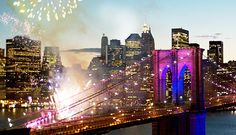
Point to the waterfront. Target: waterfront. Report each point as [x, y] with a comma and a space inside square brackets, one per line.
[16, 115]
[217, 123]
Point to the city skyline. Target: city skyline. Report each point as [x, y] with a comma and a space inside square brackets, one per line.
[146, 66]
[84, 28]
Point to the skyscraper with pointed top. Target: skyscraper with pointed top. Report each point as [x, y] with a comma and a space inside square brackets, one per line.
[147, 42]
[147, 46]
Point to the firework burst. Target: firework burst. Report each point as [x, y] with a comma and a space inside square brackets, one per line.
[46, 9]
[18, 26]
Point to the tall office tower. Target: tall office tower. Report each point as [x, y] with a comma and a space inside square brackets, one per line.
[134, 97]
[104, 47]
[116, 56]
[23, 65]
[215, 52]
[51, 69]
[180, 38]
[116, 63]
[51, 58]
[2, 75]
[147, 46]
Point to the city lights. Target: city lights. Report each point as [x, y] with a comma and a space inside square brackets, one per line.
[127, 83]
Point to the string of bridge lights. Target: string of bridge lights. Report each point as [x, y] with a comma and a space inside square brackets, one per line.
[130, 67]
[35, 122]
[215, 83]
[114, 76]
[219, 66]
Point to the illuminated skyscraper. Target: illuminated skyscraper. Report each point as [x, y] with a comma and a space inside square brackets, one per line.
[23, 65]
[2, 75]
[116, 56]
[51, 68]
[147, 46]
[134, 97]
[180, 38]
[215, 52]
[51, 58]
[116, 63]
[147, 43]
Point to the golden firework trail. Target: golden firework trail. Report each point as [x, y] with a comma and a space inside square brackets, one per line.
[46, 9]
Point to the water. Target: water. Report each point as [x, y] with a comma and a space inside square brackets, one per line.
[17, 116]
[217, 123]
[221, 123]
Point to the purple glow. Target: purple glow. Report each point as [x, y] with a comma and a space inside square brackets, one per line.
[177, 60]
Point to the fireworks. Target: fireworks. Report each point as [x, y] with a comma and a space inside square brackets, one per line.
[18, 27]
[46, 9]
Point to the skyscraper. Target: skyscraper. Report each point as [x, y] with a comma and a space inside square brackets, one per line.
[51, 68]
[116, 63]
[23, 65]
[180, 38]
[134, 97]
[2, 74]
[51, 58]
[215, 52]
[148, 45]
[104, 47]
[133, 48]
[116, 55]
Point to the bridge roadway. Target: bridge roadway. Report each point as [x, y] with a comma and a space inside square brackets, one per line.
[122, 119]
[219, 102]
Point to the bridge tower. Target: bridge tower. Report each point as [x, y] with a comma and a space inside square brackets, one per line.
[177, 61]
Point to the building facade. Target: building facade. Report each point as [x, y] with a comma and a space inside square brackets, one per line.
[215, 52]
[23, 65]
[147, 47]
[134, 97]
[51, 70]
[104, 47]
[2, 75]
[180, 38]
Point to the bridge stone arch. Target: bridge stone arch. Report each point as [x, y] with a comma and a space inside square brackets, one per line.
[164, 83]
[181, 83]
[178, 60]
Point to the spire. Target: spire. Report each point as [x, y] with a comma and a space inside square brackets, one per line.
[146, 28]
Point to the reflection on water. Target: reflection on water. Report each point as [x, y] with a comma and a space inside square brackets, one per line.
[16, 115]
[221, 123]
[197, 123]
[185, 124]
